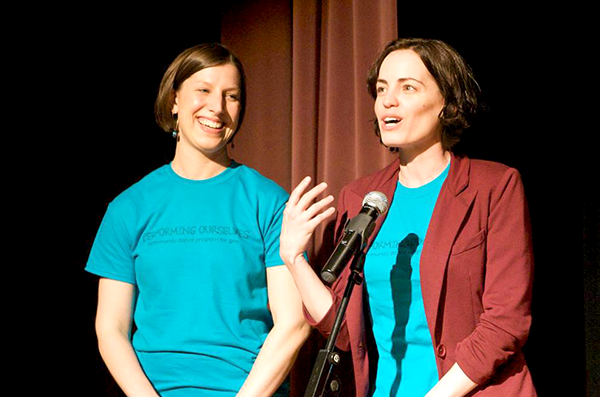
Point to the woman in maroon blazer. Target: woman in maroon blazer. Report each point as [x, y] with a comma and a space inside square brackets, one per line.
[474, 274]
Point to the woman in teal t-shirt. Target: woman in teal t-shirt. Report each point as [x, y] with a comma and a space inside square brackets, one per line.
[190, 255]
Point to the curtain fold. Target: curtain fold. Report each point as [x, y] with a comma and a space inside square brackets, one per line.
[260, 34]
[306, 49]
[352, 33]
[309, 112]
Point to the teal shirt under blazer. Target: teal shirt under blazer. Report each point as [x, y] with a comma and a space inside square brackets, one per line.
[476, 277]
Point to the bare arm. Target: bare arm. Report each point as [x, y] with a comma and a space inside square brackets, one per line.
[300, 219]
[113, 328]
[453, 384]
[283, 343]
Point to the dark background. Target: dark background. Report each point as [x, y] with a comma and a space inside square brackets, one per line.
[105, 72]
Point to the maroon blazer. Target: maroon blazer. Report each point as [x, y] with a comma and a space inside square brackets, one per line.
[476, 277]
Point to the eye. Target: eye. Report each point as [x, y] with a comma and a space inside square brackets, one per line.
[380, 90]
[232, 97]
[408, 88]
[203, 90]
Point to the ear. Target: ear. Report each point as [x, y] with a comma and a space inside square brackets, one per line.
[175, 108]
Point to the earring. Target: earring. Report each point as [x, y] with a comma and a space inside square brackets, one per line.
[176, 130]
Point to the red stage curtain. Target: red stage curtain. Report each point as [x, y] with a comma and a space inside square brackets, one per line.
[308, 110]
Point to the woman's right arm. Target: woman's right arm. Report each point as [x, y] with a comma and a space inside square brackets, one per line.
[300, 219]
[113, 328]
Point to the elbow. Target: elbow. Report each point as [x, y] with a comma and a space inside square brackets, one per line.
[101, 331]
[103, 336]
[304, 330]
[296, 332]
[301, 329]
[108, 332]
[301, 334]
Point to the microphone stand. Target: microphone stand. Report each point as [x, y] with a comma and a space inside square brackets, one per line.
[319, 383]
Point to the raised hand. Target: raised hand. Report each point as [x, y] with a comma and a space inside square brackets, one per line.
[301, 217]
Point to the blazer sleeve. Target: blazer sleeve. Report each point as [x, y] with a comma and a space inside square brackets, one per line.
[504, 324]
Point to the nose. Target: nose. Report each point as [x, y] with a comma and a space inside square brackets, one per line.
[216, 102]
[390, 100]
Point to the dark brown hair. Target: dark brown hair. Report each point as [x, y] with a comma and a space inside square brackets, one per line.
[185, 65]
[453, 76]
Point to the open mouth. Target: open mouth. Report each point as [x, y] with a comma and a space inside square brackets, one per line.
[211, 124]
[391, 121]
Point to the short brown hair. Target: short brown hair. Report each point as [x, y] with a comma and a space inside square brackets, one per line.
[453, 76]
[185, 65]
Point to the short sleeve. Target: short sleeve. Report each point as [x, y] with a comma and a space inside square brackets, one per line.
[273, 232]
[111, 255]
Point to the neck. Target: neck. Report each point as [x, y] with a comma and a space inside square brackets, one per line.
[419, 169]
[200, 166]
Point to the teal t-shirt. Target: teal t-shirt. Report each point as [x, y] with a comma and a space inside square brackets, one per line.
[406, 364]
[197, 252]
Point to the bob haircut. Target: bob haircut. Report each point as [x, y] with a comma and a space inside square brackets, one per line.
[454, 79]
[187, 63]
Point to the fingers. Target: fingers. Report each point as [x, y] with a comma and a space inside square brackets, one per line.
[300, 201]
[310, 196]
[301, 217]
[299, 191]
[318, 207]
[318, 219]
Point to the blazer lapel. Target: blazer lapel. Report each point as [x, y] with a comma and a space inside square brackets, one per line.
[450, 210]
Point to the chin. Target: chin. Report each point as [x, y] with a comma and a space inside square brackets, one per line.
[392, 143]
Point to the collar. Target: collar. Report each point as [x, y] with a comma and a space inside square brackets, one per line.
[386, 179]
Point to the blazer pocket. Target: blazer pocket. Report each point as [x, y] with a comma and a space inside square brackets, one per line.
[465, 244]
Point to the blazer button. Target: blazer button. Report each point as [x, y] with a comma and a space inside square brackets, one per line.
[441, 351]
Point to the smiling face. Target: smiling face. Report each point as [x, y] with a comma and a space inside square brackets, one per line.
[207, 107]
[408, 103]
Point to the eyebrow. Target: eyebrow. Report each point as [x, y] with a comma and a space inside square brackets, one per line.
[401, 80]
[208, 83]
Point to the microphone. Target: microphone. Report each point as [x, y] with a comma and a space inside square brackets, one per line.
[356, 235]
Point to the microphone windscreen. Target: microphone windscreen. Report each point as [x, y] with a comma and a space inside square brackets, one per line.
[376, 200]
